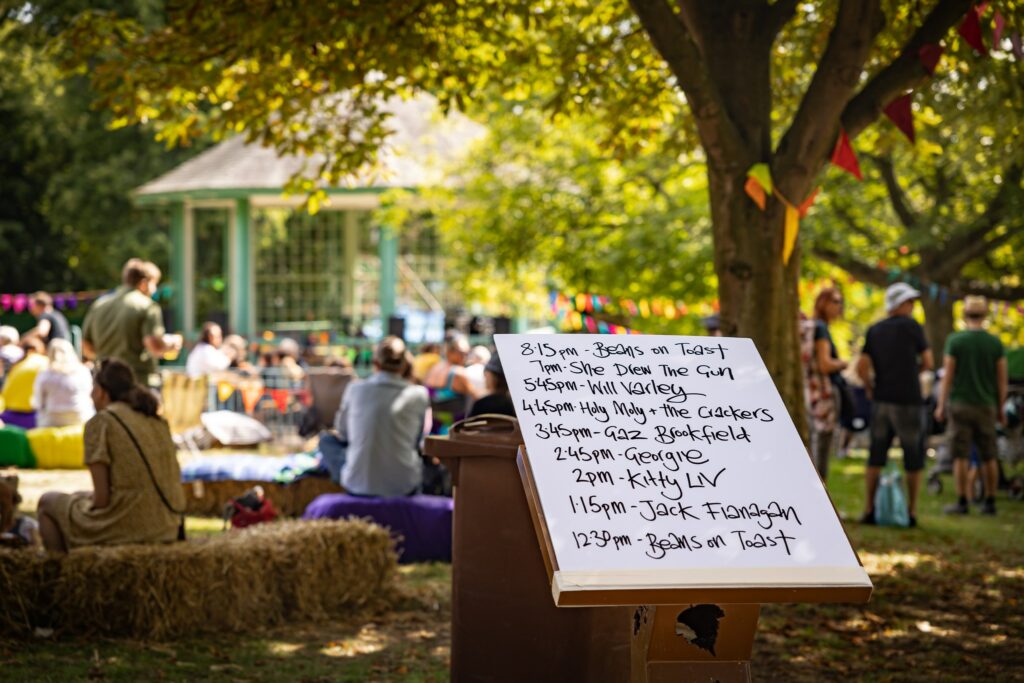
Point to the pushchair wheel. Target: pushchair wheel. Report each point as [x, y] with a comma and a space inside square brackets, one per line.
[935, 483]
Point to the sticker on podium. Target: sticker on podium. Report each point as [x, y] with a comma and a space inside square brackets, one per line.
[662, 468]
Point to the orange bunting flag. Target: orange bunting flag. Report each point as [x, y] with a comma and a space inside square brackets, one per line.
[791, 229]
[900, 113]
[755, 192]
[808, 203]
[280, 397]
[844, 157]
[224, 391]
[252, 392]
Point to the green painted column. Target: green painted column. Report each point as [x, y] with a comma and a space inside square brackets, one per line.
[178, 267]
[242, 284]
[387, 249]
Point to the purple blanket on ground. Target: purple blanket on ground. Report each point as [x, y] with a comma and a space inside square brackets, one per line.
[422, 524]
[18, 419]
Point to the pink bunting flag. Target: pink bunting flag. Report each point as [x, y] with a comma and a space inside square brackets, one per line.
[929, 55]
[900, 113]
[997, 30]
[970, 30]
[5, 301]
[19, 303]
[844, 157]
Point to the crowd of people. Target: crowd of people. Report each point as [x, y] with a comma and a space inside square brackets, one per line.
[894, 368]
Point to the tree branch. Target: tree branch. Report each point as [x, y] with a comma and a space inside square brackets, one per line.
[903, 73]
[811, 135]
[989, 290]
[897, 197]
[853, 225]
[678, 48]
[858, 269]
[779, 15]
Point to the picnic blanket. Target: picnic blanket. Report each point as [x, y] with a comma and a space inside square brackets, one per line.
[277, 469]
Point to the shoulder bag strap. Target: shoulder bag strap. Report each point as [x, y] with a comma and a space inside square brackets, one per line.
[149, 469]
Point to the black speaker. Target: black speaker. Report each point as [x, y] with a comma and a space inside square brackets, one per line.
[502, 325]
[396, 327]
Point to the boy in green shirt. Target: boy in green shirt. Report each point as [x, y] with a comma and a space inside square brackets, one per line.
[974, 387]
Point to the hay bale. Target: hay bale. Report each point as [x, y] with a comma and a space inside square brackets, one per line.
[267, 574]
[210, 497]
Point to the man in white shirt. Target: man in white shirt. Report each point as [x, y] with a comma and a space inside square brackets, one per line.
[382, 420]
[207, 357]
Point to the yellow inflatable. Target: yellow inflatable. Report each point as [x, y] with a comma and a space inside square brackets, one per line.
[58, 448]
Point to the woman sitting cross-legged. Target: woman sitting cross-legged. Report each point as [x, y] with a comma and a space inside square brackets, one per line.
[62, 394]
[137, 494]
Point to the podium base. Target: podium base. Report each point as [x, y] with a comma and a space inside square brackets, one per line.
[698, 642]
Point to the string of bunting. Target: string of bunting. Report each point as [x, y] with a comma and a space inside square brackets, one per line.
[18, 303]
[253, 391]
[759, 185]
[573, 312]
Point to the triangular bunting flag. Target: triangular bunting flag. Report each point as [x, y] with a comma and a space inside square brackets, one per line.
[844, 157]
[808, 203]
[762, 174]
[252, 392]
[997, 30]
[224, 391]
[929, 55]
[789, 234]
[1015, 44]
[755, 192]
[280, 397]
[19, 303]
[900, 113]
[970, 29]
[5, 301]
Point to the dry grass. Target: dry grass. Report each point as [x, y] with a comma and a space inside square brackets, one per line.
[267, 574]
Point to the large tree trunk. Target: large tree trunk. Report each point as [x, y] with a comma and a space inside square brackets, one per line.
[938, 324]
[757, 293]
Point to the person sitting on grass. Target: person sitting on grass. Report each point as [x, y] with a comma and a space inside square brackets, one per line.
[137, 494]
[62, 395]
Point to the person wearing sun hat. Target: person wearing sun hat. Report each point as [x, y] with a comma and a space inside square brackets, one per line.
[974, 387]
[895, 352]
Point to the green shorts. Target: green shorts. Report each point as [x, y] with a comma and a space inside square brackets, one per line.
[975, 424]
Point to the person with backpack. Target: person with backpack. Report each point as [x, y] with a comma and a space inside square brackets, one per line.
[973, 390]
[895, 352]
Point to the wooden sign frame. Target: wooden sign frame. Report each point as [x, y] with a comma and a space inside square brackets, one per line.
[676, 587]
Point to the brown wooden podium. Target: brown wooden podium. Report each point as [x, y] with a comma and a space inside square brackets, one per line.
[662, 648]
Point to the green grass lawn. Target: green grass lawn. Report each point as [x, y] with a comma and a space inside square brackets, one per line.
[946, 607]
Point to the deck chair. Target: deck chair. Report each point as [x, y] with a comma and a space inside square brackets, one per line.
[184, 399]
[326, 386]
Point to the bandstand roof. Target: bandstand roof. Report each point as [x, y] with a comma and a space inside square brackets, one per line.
[422, 145]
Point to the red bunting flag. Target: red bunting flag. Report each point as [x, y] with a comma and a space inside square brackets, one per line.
[280, 397]
[929, 55]
[997, 30]
[808, 203]
[899, 112]
[970, 29]
[844, 157]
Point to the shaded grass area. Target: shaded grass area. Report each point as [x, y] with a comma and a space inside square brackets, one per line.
[948, 602]
[409, 641]
[948, 606]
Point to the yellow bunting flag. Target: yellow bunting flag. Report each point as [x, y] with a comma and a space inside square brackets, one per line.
[645, 309]
[224, 391]
[789, 235]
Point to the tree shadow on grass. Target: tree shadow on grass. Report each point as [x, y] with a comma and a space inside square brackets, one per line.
[932, 617]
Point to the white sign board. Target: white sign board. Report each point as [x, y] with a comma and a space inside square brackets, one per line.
[657, 454]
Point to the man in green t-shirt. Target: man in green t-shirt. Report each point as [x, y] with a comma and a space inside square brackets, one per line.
[974, 386]
[128, 325]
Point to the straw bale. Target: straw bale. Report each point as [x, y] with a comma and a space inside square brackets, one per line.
[210, 497]
[263, 575]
